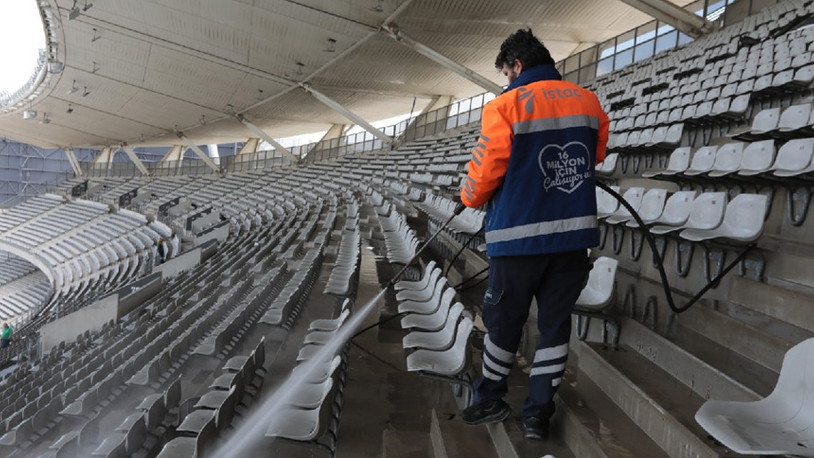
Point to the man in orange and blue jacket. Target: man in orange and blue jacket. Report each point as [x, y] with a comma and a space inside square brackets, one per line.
[533, 167]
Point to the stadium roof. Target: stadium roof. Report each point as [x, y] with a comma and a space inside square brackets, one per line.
[141, 69]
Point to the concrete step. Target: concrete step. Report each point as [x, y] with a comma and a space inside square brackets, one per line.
[703, 378]
[591, 425]
[751, 339]
[773, 301]
[406, 444]
[662, 406]
[451, 438]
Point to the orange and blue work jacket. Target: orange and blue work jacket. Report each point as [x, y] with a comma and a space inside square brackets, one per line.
[534, 164]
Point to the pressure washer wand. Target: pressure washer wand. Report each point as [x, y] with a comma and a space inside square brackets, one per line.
[458, 210]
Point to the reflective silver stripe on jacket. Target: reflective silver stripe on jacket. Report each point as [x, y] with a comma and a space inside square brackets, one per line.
[543, 228]
[564, 122]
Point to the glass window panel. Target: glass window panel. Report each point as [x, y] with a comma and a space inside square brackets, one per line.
[625, 41]
[572, 64]
[623, 58]
[606, 49]
[666, 41]
[587, 73]
[644, 50]
[664, 29]
[646, 32]
[604, 66]
[683, 39]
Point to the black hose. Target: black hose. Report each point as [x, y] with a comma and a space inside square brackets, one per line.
[660, 262]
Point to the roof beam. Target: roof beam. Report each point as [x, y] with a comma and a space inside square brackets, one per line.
[104, 156]
[445, 61]
[77, 170]
[336, 106]
[678, 17]
[268, 139]
[203, 156]
[135, 160]
[249, 146]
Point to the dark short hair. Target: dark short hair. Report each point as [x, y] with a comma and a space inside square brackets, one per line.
[525, 47]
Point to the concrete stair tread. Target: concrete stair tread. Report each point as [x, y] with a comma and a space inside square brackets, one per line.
[601, 426]
[658, 403]
[756, 377]
[451, 438]
[405, 444]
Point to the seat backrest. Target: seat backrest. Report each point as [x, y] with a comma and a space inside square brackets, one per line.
[603, 273]
[704, 158]
[608, 166]
[794, 388]
[677, 208]
[794, 155]
[260, 353]
[728, 158]
[447, 297]
[652, 204]
[204, 444]
[632, 196]
[460, 348]
[679, 159]
[745, 215]
[606, 203]
[766, 120]
[707, 211]
[758, 155]
[795, 117]
[173, 396]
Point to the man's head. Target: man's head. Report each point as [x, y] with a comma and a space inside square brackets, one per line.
[520, 51]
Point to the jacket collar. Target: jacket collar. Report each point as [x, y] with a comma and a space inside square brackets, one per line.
[534, 74]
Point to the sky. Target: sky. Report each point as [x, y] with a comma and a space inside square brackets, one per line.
[21, 36]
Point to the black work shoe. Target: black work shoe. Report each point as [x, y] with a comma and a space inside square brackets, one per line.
[535, 428]
[486, 412]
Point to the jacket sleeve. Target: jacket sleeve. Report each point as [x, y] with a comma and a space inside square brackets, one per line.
[602, 141]
[490, 159]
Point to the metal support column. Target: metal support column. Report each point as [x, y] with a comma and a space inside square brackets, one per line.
[268, 139]
[203, 156]
[445, 61]
[135, 160]
[250, 146]
[77, 170]
[678, 17]
[358, 120]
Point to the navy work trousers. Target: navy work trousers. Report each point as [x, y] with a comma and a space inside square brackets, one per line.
[556, 281]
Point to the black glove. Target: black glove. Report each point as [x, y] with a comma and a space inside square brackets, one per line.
[459, 208]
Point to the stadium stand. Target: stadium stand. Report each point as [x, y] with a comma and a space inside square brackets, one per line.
[725, 126]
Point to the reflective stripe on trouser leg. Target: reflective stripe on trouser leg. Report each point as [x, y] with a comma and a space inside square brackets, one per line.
[512, 285]
[558, 292]
[497, 362]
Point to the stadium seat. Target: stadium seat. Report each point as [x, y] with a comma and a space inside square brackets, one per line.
[707, 212]
[450, 362]
[779, 424]
[651, 207]
[633, 196]
[435, 340]
[743, 221]
[420, 284]
[428, 305]
[598, 292]
[606, 204]
[434, 321]
[702, 161]
[678, 163]
[727, 160]
[794, 158]
[757, 158]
